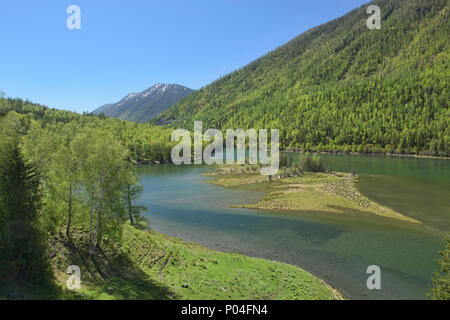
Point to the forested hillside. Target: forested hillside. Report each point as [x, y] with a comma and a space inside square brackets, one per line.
[145, 142]
[343, 87]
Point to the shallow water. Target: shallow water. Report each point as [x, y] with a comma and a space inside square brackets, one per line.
[337, 248]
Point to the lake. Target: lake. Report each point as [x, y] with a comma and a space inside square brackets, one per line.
[335, 247]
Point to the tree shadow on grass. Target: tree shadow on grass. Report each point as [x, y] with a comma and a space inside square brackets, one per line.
[113, 275]
[125, 280]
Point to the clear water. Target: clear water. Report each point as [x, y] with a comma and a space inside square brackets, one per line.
[336, 248]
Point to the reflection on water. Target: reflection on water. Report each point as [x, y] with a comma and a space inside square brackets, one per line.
[337, 248]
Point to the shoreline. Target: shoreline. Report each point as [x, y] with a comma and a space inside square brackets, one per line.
[336, 293]
[388, 155]
[160, 266]
[335, 193]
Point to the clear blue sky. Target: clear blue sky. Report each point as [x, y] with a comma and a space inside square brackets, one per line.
[128, 46]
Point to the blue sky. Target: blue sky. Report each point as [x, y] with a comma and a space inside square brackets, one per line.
[128, 46]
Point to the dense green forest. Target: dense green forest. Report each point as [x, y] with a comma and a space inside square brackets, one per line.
[22, 244]
[145, 142]
[343, 87]
[61, 173]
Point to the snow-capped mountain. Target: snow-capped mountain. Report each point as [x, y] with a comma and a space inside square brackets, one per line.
[145, 105]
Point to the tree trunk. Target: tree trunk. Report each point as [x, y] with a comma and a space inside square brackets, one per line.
[129, 205]
[69, 220]
[98, 227]
[91, 251]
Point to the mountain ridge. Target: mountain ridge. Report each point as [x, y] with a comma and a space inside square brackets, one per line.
[145, 105]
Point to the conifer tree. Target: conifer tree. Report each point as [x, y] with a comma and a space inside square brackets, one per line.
[441, 280]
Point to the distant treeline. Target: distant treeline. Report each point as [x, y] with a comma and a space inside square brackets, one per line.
[146, 143]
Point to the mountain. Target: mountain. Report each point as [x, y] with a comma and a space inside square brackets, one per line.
[343, 87]
[145, 105]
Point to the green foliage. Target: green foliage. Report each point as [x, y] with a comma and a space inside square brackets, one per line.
[306, 163]
[146, 143]
[343, 87]
[132, 192]
[103, 171]
[22, 246]
[84, 166]
[441, 280]
[311, 163]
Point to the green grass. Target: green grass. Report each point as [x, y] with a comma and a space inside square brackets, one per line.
[150, 265]
[194, 272]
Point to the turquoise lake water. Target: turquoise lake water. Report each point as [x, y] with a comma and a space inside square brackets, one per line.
[336, 247]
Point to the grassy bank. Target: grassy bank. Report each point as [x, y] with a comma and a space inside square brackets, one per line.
[321, 192]
[149, 265]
